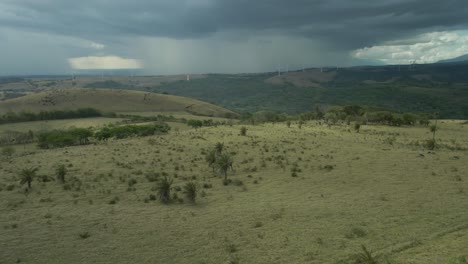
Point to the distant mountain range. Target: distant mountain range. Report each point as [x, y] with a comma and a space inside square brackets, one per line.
[463, 59]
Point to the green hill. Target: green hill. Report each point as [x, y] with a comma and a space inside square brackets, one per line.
[108, 100]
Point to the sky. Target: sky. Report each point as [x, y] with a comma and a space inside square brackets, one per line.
[225, 36]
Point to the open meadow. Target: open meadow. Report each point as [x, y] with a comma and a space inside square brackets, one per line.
[313, 194]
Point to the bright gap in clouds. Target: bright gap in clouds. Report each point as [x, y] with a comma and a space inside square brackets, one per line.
[425, 48]
[104, 63]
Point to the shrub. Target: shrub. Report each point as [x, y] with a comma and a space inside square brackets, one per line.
[365, 257]
[224, 163]
[357, 126]
[191, 191]
[152, 176]
[195, 123]
[8, 152]
[243, 131]
[84, 235]
[164, 189]
[27, 176]
[60, 172]
[430, 144]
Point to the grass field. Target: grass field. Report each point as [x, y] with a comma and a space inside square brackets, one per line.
[379, 188]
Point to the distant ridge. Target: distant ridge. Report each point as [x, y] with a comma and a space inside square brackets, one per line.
[108, 100]
[463, 59]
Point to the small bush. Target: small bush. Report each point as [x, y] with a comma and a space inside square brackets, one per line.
[61, 172]
[365, 257]
[243, 131]
[238, 182]
[84, 235]
[356, 232]
[114, 200]
[430, 144]
[152, 176]
[207, 185]
[164, 189]
[8, 152]
[357, 127]
[191, 191]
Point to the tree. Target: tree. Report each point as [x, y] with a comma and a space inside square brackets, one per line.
[27, 176]
[61, 171]
[224, 163]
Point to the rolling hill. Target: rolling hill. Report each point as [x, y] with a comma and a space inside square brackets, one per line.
[108, 100]
[432, 88]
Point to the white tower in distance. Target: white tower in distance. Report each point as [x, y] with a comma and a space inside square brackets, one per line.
[188, 77]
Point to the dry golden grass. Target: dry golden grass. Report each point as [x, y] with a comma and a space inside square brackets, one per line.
[108, 100]
[376, 187]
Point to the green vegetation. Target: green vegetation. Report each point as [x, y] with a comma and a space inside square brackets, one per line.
[8, 152]
[61, 172]
[444, 91]
[120, 132]
[191, 191]
[365, 257]
[243, 131]
[64, 138]
[27, 176]
[12, 117]
[224, 163]
[195, 123]
[164, 189]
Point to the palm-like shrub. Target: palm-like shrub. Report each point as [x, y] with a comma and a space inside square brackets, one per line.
[219, 147]
[27, 176]
[164, 189]
[365, 257]
[224, 163]
[211, 158]
[191, 191]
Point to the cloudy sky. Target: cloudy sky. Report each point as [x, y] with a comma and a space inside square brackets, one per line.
[199, 36]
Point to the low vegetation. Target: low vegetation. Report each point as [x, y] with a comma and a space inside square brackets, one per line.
[313, 192]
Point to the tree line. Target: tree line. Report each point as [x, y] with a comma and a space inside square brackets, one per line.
[81, 136]
[12, 117]
[343, 114]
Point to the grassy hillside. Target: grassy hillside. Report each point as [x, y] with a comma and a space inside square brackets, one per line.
[108, 100]
[442, 89]
[310, 195]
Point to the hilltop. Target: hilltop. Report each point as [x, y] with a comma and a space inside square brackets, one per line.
[107, 100]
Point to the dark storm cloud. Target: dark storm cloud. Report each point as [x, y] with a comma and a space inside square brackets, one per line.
[345, 24]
